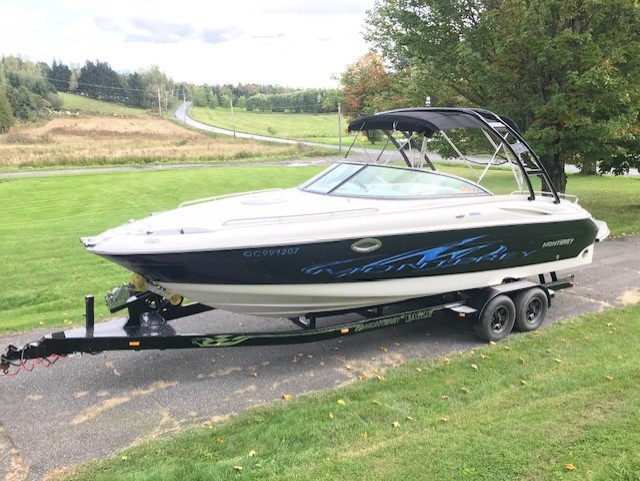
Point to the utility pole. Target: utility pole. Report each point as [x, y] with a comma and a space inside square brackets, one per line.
[159, 102]
[339, 128]
[233, 119]
[184, 100]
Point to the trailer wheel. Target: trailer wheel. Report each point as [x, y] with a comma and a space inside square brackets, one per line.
[497, 319]
[531, 309]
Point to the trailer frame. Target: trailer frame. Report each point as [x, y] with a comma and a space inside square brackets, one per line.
[146, 326]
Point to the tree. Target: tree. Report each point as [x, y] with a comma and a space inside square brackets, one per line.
[22, 102]
[155, 80]
[330, 100]
[203, 97]
[225, 101]
[100, 81]
[6, 112]
[136, 90]
[225, 92]
[365, 84]
[26, 86]
[565, 70]
[73, 80]
[628, 156]
[60, 76]
[368, 88]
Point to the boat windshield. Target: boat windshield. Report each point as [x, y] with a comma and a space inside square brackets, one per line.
[368, 180]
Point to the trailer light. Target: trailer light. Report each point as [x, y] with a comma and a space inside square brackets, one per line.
[344, 331]
[134, 343]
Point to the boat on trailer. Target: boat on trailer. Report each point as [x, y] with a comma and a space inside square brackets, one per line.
[391, 239]
[362, 234]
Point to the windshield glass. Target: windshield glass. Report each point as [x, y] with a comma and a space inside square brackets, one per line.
[366, 180]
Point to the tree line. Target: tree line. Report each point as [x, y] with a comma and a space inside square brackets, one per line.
[565, 70]
[266, 98]
[29, 89]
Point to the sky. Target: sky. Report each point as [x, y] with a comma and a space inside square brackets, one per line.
[293, 43]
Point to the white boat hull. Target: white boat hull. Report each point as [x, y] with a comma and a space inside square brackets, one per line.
[292, 300]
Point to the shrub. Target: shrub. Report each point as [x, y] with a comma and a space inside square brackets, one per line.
[55, 101]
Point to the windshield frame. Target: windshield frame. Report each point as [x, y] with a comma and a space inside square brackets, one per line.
[364, 165]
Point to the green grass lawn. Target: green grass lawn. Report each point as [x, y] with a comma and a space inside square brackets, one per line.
[300, 126]
[557, 404]
[86, 105]
[46, 271]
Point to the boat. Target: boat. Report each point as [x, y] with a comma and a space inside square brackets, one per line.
[367, 233]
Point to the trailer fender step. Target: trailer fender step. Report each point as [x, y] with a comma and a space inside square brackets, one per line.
[463, 310]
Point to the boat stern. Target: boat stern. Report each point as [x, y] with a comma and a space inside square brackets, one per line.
[603, 230]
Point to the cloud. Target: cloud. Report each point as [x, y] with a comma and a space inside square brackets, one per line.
[107, 24]
[141, 29]
[268, 37]
[154, 31]
[321, 37]
[220, 35]
[146, 30]
[313, 7]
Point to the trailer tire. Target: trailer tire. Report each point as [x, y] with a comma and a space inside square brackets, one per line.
[531, 309]
[497, 319]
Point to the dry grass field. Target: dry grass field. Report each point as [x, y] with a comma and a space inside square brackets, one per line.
[102, 140]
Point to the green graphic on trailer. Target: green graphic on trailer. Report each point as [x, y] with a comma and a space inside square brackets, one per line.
[223, 340]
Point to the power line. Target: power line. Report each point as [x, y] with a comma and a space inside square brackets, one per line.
[42, 77]
[153, 91]
[78, 83]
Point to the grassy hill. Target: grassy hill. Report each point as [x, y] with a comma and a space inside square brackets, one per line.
[120, 139]
[86, 105]
[299, 126]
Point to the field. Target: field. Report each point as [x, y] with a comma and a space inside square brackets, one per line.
[561, 403]
[299, 126]
[95, 133]
[47, 285]
[94, 141]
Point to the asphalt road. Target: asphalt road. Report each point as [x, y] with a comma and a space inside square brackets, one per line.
[93, 406]
[181, 113]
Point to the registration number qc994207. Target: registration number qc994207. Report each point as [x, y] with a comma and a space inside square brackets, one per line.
[276, 251]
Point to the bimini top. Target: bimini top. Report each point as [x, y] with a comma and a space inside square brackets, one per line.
[428, 121]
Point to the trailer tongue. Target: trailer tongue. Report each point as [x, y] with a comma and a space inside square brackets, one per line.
[497, 309]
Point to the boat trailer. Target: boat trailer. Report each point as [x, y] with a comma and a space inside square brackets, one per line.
[497, 309]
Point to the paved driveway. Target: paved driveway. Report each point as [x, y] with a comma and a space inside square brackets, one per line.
[93, 406]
